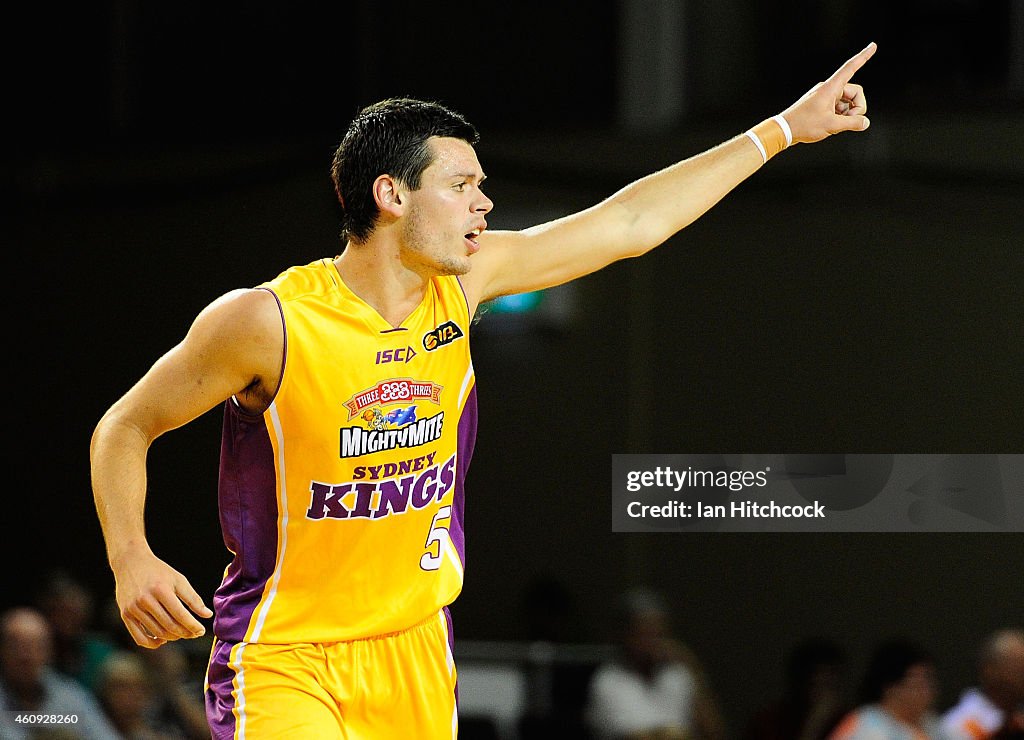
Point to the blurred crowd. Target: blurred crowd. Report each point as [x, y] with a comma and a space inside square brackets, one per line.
[65, 655]
[68, 658]
[658, 689]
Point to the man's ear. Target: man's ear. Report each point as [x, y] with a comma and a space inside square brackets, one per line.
[387, 192]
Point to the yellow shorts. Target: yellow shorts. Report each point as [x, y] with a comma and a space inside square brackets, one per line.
[401, 685]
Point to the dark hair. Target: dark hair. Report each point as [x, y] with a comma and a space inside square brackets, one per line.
[389, 137]
[889, 665]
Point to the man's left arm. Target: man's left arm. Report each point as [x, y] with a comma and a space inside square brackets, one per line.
[650, 210]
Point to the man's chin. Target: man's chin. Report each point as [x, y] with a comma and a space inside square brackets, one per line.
[455, 267]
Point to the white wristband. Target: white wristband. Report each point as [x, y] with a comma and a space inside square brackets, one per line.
[760, 147]
[784, 124]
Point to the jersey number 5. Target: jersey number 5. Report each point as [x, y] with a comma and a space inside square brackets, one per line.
[438, 535]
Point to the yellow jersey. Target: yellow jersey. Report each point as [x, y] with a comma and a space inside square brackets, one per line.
[343, 502]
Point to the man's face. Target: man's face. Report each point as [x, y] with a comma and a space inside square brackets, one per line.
[126, 694]
[1014, 673]
[1003, 676]
[445, 216]
[645, 640]
[916, 693]
[24, 650]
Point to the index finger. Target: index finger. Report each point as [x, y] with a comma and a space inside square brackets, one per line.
[192, 600]
[844, 73]
[180, 616]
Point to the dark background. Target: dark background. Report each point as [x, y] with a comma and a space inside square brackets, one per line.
[859, 295]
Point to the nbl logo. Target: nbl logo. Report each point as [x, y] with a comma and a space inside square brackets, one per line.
[446, 333]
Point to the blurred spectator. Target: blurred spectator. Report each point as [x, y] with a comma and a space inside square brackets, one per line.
[898, 696]
[69, 607]
[995, 707]
[177, 695]
[658, 688]
[126, 695]
[813, 702]
[29, 684]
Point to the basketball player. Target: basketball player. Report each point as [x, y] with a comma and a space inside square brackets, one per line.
[350, 415]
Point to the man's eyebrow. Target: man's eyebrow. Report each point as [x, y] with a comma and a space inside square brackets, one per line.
[467, 176]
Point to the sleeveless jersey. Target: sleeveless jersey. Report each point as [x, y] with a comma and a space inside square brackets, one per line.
[343, 503]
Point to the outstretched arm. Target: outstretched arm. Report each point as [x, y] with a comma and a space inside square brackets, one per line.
[234, 344]
[647, 212]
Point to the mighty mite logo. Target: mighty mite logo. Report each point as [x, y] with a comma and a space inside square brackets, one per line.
[387, 429]
[389, 417]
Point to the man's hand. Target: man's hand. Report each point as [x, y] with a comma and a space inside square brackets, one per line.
[831, 106]
[152, 598]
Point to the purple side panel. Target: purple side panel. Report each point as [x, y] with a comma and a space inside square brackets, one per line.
[467, 440]
[248, 518]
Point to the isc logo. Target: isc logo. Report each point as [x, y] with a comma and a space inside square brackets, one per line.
[402, 354]
[447, 332]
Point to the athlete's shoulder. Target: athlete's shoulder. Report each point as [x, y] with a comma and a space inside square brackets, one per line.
[243, 323]
[314, 278]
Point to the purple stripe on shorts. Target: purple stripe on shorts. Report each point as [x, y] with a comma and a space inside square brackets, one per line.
[220, 702]
[248, 517]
